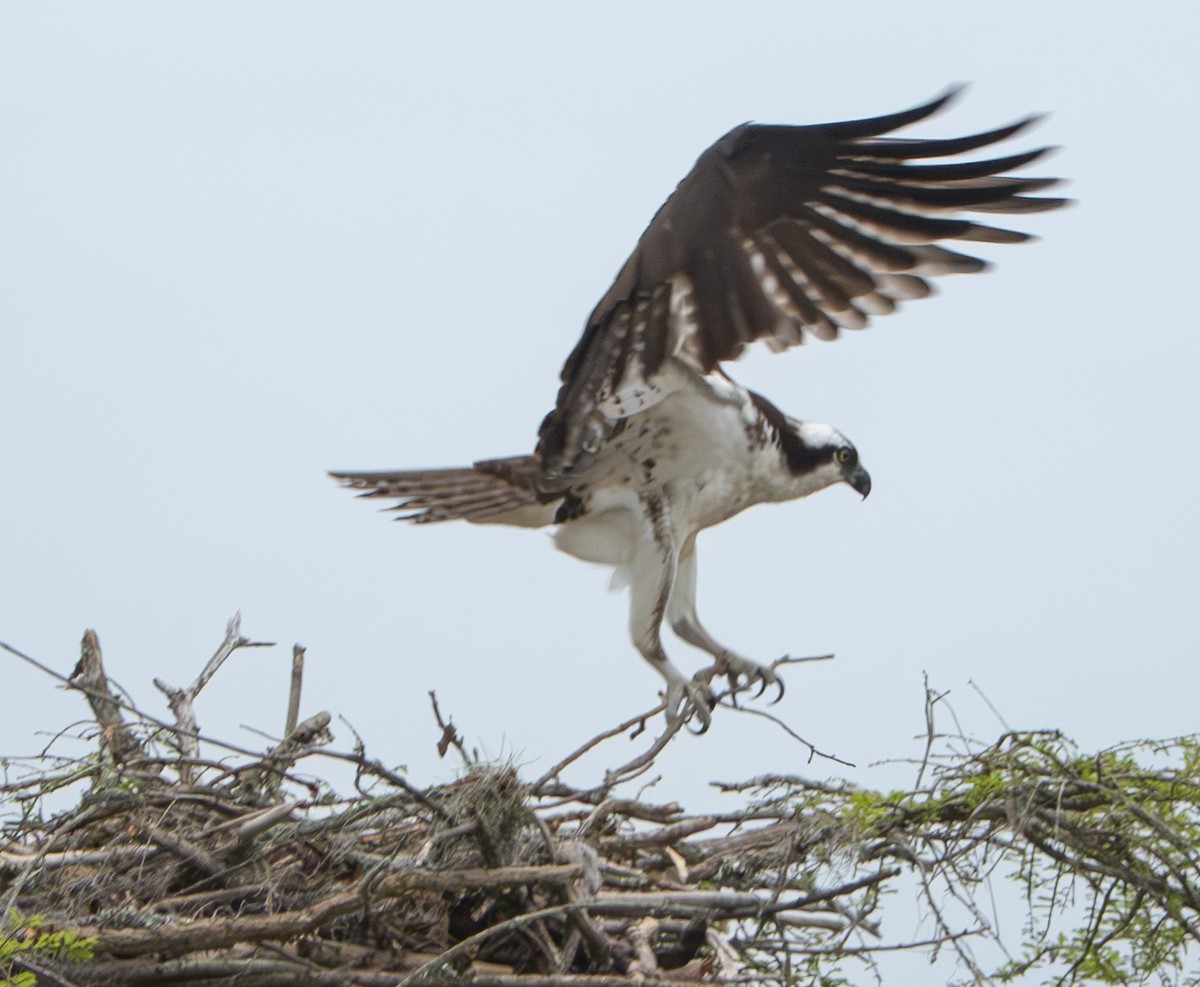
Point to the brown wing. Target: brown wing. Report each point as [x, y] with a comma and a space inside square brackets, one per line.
[776, 232]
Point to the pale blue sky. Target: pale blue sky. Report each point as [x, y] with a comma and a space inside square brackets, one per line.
[241, 244]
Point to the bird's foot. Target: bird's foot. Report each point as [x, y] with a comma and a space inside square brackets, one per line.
[687, 696]
[736, 668]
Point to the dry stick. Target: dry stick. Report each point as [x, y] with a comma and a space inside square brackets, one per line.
[616, 775]
[580, 980]
[371, 765]
[245, 971]
[641, 934]
[894, 947]
[600, 947]
[631, 808]
[12, 862]
[736, 690]
[450, 736]
[664, 834]
[932, 698]
[633, 768]
[260, 822]
[807, 901]
[813, 751]
[46, 977]
[187, 731]
[89, 678]
[464, 946]
[198, 899]
[730, 901]
[376, 767]
[575, 755]
[304, 737]
[127, 707]
[185, 850]
[683, 903]
[293, 710]
[218, 933]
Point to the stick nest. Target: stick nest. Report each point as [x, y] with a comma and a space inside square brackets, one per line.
[183, 860]
[174, 868]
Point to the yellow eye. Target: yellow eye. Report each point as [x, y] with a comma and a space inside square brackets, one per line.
[844, 456]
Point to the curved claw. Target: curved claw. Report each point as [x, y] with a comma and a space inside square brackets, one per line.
[684, 697]
[736, 668]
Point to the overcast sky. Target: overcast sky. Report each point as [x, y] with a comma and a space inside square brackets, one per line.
[241, 244]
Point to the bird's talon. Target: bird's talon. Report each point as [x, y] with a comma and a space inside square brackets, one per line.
[684, 697]
[742, 674]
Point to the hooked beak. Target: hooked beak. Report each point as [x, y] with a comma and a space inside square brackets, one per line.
[860, 480]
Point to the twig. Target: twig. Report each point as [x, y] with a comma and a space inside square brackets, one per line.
[89, 678]
[684, 903]
[843, 949]
[260, 822]
[813, 750]
[140, 714]
[629, 770]
[450, 736]
[185, 851]
[187, 731]
[245, 971]
[808, 900]
[46, 977]
[293, 710]
[641, 934]
[219, 933]
[304, 737]
[995, 712]
[464, 947]
[372, 766]
[14, 863]
[932, 698]
[576, 754]
[559, 980]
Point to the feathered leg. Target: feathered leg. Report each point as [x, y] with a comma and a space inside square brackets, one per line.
[681, 613]
[651, 573]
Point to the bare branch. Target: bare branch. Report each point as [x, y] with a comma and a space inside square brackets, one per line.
[116, 739]
[293, 710]
[187, 732]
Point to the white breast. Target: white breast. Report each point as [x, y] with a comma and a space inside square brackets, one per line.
[701, 449]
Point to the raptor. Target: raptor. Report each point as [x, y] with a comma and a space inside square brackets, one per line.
[777, 233]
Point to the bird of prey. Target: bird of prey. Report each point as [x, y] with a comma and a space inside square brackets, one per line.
[777, 233]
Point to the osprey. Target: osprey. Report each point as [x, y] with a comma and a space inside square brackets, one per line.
[777, 233]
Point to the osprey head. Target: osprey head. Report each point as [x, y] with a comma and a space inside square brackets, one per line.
[815, 455]
[820, 456]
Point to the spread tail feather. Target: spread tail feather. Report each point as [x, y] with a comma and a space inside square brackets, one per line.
[493, 491]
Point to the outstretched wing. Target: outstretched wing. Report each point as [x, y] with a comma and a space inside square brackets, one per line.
[776, 232]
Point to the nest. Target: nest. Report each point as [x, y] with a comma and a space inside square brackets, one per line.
[183, 860]
[177, 869]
